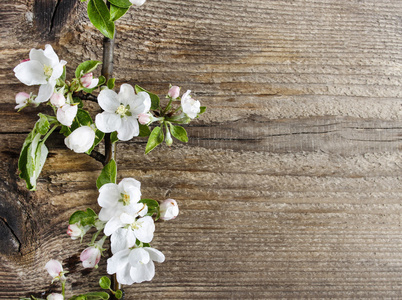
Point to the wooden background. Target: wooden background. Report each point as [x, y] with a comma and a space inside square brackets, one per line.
[290, 184]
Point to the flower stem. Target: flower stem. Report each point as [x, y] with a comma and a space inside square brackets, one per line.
[49, 133]
[63, 288]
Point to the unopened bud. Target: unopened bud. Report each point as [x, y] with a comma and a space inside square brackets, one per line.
[169, 209]
[88, 82]
[174, 92]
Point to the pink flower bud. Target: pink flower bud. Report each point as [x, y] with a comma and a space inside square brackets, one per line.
[169, 209]
[54, 268]
[88, 82]
[90, 257]
[21, 99]
[74, 231]
[58, 99]
[144, 118]
[174, 92]
[55, 296]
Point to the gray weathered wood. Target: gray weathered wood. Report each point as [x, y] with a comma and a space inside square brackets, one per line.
[290, 184]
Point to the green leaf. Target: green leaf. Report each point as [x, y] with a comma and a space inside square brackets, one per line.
[65, 130]
[155, 138]
[144, 130]
[99, 15]
[84, 118]
[113, 137]
[63, 75]
[110, 83]
[154, 98]
[108, 174]
[179, 133]
[153, 207]
[121, 3]
[86, 67]
[42, 125]
[202, 110]
[116, 12]
[83, 217]
[118, 294]
[104, 282]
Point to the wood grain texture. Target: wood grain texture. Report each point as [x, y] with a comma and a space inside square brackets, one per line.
[290, 185]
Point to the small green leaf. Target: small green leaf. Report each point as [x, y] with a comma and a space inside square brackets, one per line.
[84, 118]
[86, 67]
[83, 217]
[108, 174]
[179, 133]
[110, 83]
[42, 125]
[144, 130]
[118, 294]
[202, 110]
[99, 15]
[116, 12]
[65, 130]
[155, 138]
[104, 282]
[154, 98]
[91, 296]
[113, 137]
[121, 3]
[63, 75]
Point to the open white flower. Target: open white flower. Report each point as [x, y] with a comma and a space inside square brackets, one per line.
[134, 265]
[116, 199]
[22, 100]
[121, 111]
[43, 68]
[190, 106]
[126, 229]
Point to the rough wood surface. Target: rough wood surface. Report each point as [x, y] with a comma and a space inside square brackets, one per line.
[290, 184]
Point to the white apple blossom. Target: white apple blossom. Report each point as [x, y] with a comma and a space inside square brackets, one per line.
[126, 229]
[88, 81]
[91, 256]
[22, 100]
[55, 269]
[134, 265]
[43, 68]
[169, 209]
[55, 296]
[190, 106]
[81, 139]
[66, 114]
[138, 2]
[121, 111]
[116, 199]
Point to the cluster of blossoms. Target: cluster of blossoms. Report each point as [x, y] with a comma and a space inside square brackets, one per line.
[125, 115]
[127, 220]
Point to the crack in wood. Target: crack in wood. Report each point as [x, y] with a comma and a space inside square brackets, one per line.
[16, 239]
[52, 21]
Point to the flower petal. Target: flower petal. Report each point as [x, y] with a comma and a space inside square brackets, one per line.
[112, 225]
[126, 218]
[45, 92]
[51, 56]
[143, 272]
[30, 73]
[108, 100]
[140, 104]
[128, 129]
[155, 254]
[118, 240]
[138, 256]
[126, 94]
[54, 267]
[107, 122]
[127, 183]
[118, 261]
[108, 195]
[123, 275]
[39, 56]
[145, 232]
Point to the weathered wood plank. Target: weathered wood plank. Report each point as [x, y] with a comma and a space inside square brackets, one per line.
[290, 184]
